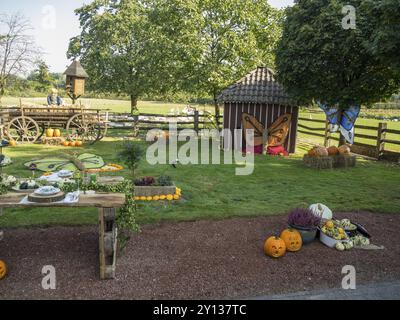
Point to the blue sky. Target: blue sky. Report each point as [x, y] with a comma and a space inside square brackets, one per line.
[54, 23]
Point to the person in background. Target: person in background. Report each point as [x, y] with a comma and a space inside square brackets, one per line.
[53, 99]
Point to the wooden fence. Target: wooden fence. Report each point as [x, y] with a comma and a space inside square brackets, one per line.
[148, 121]
[378, 135]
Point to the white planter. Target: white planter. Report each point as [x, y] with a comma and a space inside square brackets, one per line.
[328, 241]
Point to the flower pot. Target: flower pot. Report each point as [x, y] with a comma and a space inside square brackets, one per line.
[307, 234]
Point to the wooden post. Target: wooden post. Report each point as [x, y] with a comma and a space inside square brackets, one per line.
[380, 147]
[107, 242]
[327, 142]
[196, 121]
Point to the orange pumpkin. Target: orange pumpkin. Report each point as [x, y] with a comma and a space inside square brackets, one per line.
[344, 149]
[78, 143]
[312, 153]
[65, 143]
[321, 152]
[72, 144]
[333, 151]
[292, 240]
[57, 133]
[274, 247]
[3, 269]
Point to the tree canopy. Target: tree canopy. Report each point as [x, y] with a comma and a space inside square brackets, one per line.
[318, 59]
[155, 46]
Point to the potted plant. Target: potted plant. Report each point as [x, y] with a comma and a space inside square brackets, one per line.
[306, 222]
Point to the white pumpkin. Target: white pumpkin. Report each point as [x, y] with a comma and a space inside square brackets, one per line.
[321, 210]
[31, 184]
[340, 246]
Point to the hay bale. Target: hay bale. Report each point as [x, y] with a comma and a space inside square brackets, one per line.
[329, 162]
[318, 162]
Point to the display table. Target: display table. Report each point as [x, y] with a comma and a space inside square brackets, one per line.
[107, 204]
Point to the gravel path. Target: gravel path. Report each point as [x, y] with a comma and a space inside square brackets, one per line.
[202, 259]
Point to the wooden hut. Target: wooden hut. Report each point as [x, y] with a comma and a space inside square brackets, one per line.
[260, 95]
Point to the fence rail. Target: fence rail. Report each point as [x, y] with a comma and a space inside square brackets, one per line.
[148, 121]
[376, 150]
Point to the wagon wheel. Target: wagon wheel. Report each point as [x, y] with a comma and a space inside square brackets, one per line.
[23, 129]
[83, 127]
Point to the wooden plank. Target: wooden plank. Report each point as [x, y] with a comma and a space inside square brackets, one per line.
[310, 128]
[392, 131]
[397, 142]
[312, 133]
[312, 120]
[365, 136]
[98, 200]
[357, 126]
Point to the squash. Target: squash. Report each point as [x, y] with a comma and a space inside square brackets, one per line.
[312, 153]
[176, 196]
[12, 143]
[321, 210]
[292, 240]
[170, 197]
[321, 152]
[57, 133]
[333, 151]
[3, 269]
[49, 133]
[72, 144]
[78, 143]
[65, 143]
[340, 246]
[275, 247]
[344, 149]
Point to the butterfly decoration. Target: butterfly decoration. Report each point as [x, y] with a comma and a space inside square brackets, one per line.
[342, 120]
[52, 164]
[275, 135]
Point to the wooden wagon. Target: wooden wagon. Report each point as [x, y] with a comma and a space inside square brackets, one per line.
[28, 123]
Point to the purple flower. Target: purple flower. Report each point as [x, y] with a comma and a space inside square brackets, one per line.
[303, 218]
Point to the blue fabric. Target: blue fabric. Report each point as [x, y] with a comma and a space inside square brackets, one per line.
[348, 117]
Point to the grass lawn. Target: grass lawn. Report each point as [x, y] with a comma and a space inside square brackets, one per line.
[214, 191]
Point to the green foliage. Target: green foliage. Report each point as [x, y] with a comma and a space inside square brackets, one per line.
[131, 154]
[318, 59]
[161, 48]
[164, 181]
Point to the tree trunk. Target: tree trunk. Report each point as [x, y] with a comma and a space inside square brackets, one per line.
[134, 101]
[217, 110]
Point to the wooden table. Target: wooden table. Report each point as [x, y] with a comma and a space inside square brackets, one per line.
[107, 204]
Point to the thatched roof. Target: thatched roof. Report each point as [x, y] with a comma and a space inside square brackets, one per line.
[259, 86]
[76, 70]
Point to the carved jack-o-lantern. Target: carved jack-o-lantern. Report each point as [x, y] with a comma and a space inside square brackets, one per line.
[3, 269]
[292, 240]
[274, 247]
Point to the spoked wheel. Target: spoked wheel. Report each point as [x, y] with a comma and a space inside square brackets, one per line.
[23, 129]
[84, 127]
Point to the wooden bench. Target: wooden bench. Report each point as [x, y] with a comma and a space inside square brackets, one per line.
[107, 204]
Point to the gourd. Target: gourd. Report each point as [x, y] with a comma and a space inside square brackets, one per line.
[344, 149]
[31, 184]
[321, 152]
[49, 132]
[57, 133]
[333, 151]
[340, 246]
[72, 144]
[275, 247]
[12, 143]
[348, 245]
[292, 239]
[3, 269]
[78, 143]
[321, 210]
[65, 143]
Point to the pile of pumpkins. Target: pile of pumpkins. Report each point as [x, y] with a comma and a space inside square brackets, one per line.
[319, 151]
[289, 240]
[56, 133]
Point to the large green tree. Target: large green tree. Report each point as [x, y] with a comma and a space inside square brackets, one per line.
[115, 46]
[319, 59]
[234, 36]
[157, 46]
